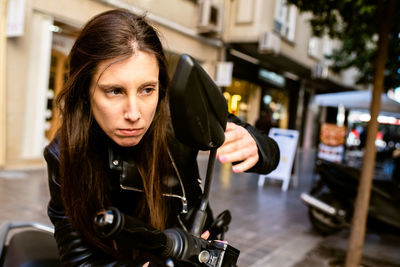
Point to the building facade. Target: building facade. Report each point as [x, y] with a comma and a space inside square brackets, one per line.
[261, 53]
[278, 64]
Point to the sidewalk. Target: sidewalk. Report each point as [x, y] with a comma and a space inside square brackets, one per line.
[269, 227]
[24, 195]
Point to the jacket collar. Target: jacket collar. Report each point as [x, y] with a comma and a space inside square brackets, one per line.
[121, 160]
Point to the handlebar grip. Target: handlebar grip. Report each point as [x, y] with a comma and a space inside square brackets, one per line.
[172, 243]
[113, 224]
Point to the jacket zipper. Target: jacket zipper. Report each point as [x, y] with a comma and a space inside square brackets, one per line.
[184, 200]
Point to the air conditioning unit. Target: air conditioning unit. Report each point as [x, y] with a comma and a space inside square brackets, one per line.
[270, 42]
[320, 70]
[210, 17]
[314, 47]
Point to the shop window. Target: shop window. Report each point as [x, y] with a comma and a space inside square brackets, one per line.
[58, 74]
[63, 39]
[243, 99]
[234, 102]
[387, 143]
[276, 101]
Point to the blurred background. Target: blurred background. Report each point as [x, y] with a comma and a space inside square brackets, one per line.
[275, 67]
[264, 55]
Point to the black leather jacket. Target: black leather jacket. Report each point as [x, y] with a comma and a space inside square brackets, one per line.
[186, 194]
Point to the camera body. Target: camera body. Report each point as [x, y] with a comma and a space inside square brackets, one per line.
[185, 246]
[218, 254]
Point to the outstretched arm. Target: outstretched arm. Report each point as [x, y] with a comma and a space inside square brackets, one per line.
[248, 148]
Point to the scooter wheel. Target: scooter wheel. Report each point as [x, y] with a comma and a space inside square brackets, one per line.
[323, 223]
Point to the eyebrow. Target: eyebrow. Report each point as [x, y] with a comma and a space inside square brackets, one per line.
[109, 86]
[115, 85]
[150, 83]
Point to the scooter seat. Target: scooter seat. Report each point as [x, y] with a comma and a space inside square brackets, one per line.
[32, 248]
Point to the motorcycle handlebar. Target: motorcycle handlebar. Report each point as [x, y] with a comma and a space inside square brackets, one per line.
[173, 243]
[112, 223]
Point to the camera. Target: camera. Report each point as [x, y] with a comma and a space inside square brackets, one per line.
[173, 243]
[185, 246]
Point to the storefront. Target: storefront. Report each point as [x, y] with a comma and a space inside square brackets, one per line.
[243, 99]
[350, 111]
[62, 41]
[260, 91]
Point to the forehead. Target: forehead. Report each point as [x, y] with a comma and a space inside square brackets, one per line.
[140, 62]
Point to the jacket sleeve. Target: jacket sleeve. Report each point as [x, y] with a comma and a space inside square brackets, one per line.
[73, 250]
[268, 150]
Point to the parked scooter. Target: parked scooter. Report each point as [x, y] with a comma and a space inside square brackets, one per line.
[199, 116]
[331, 201]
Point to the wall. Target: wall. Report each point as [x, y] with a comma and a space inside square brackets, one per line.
[246, 19]
[3, 110]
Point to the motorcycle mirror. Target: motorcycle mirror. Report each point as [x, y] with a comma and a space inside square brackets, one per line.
[198, 108]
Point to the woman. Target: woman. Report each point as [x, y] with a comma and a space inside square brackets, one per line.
[114, 147]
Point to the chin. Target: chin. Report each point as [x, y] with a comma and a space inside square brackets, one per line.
[127, 142]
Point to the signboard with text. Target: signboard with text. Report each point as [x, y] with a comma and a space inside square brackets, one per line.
[287, 143]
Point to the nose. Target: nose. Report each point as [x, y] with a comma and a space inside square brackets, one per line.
[132, 112]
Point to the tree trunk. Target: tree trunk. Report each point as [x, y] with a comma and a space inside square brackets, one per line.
[357, 235]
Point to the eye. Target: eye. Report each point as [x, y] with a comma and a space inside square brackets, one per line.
[147, 90]
[114, 91]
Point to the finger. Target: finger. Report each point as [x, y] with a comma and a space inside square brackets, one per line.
[236, 142]
[205, 235]
[237, 151]
[225, 149]
[230, 126]
[245, 165]
[238, 154]
[234, 134]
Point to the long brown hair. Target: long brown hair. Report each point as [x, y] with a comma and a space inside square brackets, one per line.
[112, 34]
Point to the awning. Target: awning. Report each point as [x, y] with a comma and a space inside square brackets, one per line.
[359, 100]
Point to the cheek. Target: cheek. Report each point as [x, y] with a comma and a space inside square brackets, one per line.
[105, 114]
[153, 109]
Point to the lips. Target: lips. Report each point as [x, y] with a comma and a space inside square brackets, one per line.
[130, 132]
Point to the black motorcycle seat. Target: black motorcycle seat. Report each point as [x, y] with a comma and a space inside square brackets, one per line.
[32, 248]
[348, 176]
[387, 189]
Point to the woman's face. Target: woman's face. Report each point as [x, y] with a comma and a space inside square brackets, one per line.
[124, 96]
